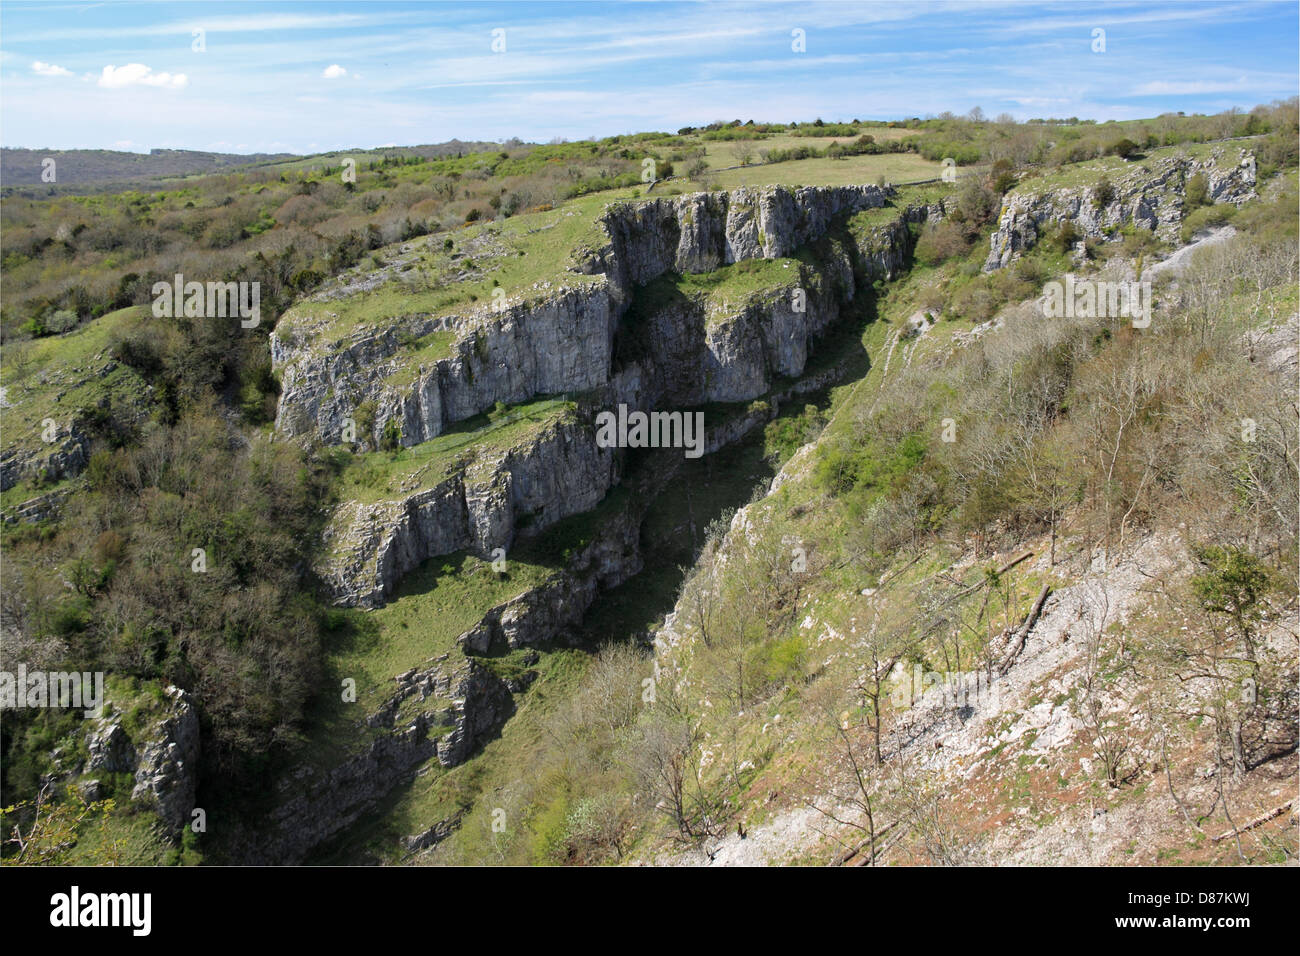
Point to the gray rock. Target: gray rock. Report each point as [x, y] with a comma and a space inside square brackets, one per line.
[163, 757]
[1149, 198]
[166, 775]
[372, 546]
[111, 749]
[561, 339]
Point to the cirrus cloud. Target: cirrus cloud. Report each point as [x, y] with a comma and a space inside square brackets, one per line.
[137, 74]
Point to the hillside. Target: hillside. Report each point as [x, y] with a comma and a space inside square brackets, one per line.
[953, 578]
[23, 167]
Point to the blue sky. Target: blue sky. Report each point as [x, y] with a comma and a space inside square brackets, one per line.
[310, 76]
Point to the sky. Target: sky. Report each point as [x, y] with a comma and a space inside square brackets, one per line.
[313, 76]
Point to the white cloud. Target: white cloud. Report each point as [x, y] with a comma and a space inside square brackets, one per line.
[137, 74]
[49, 69]
[334, 72]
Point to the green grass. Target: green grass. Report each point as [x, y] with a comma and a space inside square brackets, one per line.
[720, 153]
[721, 291]
[432, 606]
[850, 171]
[375, 476]
[125, 837]
[513, 254]
[60, 376]
[422, 352]
[1088, 173]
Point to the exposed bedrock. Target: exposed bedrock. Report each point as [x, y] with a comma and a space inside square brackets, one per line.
[1149, 196]
[371, 546]
[561, 338]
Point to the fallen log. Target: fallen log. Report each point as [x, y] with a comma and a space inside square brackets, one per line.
[1023, 634]
[1258, 821]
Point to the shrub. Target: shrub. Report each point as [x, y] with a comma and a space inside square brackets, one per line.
[1206, 217]
[1196, 192]
[391, 439]
[945, 240]
[1123, 148]
[1103, 193]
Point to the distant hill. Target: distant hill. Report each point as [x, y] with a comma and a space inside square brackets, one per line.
[22, 167]
[79, 166]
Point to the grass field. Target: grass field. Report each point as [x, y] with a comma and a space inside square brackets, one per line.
[512, 255]
[59, 377]
[374, 476]
[1088, 173]
[852, 170]
[720, 153]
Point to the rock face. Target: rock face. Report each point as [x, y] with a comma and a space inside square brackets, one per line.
[63, 458]
[163, 758]
[551, 476]
[686, 351]
[447, 709]
[1150, 198]
[559, 344]
[693, 351]
[562, 339]
[700, 232]
[36, 509]
[165, 777]
[539, 615]
[463, 701]
[459, 696]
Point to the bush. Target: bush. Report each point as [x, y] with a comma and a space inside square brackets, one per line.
[1123, 148]
[1064, 238]
[1206, 217]
[1196, 193]
[1103, 193]
[391, 439]
[940, 242]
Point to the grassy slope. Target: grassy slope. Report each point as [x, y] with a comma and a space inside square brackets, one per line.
[380, 475]
[513, 255]
[62, 378]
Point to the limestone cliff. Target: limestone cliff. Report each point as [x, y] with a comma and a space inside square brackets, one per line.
[560, 338]
[1149, 196]
[543, 478]
[631, 336]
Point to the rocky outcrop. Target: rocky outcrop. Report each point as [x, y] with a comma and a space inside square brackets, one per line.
[37, 509]
[483, 703]
[693, 351]
[884, 252]
[165, 776]
[561, 338]
[65, 457]
[163, 757]
[444, 711]
[688, 351]
[448, 708]
[314, 806]
[541, 614]
[550, 476]
[702, 231]
[1149, 196]
[559, 343]
[431, 836]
